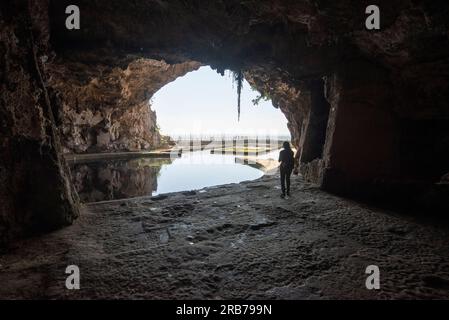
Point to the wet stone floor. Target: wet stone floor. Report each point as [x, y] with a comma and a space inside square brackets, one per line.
[239, 241]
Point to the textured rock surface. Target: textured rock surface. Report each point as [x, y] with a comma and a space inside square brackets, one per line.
[35, 190]
[313, 246]
[106, 107]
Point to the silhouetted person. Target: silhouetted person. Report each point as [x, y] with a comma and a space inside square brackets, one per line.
[287, 160]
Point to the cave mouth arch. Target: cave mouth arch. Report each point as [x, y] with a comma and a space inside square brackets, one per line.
[217, 151]
[203, 103]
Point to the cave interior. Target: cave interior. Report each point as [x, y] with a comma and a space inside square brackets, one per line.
[366, 109]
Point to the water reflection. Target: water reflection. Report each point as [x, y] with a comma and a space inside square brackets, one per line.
[116, 179]
[119, 179]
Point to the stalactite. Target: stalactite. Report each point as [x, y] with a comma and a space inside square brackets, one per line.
[238, 80]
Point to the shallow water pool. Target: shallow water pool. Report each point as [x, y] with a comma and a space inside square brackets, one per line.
[104, 180]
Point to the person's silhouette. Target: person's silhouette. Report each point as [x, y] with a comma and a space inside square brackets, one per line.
[287, 160]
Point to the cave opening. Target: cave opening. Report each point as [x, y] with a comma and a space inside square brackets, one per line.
[203, 103]
[195, 118]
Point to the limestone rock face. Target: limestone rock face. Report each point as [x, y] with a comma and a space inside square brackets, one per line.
[293, 101]
[36, 194]
[106, 108]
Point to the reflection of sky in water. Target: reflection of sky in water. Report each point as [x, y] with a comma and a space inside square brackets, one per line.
[104, 180]
[196, 170]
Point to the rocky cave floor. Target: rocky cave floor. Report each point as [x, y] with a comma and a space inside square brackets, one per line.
[239, 241]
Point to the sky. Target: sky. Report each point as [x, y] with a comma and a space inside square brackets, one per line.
[204, 102]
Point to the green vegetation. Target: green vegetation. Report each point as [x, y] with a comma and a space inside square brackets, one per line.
[265, 96]
[262, 96]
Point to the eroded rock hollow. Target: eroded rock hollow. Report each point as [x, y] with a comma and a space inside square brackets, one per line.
[367, 109]
[106, 108]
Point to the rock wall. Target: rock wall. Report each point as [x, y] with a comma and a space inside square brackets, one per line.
[106, 107]
[358, 132]
[360, 140]
[292, 100]
[35, 190]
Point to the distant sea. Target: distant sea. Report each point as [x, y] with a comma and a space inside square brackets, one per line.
[205, 137]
